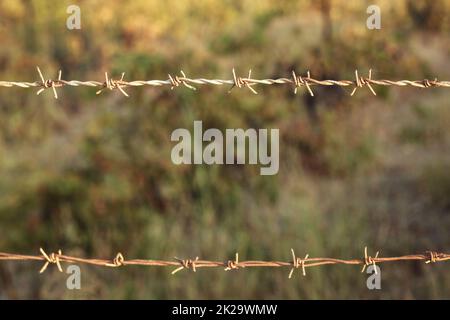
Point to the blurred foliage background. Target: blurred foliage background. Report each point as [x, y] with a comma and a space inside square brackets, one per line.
[92, 175]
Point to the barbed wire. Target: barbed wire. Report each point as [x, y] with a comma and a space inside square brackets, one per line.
[194, 264]
[239, 82]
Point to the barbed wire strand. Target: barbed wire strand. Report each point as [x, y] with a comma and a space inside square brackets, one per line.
[239, 82]
[195, 264]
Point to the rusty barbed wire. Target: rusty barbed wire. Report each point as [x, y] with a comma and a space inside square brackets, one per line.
[195, 264]
[239, 82]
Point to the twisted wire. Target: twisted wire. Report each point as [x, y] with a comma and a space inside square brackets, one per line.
[239, 82]
[178, 264]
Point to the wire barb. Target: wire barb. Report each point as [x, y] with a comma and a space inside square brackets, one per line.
[186, 264]
[233, 265]
[434, 257]
[239, 82]
[368, 260]
[118, 261]
[360, 82]
[52, 258]
[176, 81]
[112, 84]
[297, 263]
[300, 81]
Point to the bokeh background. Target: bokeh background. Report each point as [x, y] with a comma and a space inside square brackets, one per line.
[92, 175]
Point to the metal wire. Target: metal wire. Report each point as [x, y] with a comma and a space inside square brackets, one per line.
[239, 82]
[194, 264]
